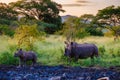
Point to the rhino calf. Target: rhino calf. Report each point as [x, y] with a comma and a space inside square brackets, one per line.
[25, 56]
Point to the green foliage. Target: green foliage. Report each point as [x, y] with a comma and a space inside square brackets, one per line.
[118, 52]
[113, 31]
[81, 27]
[74, 28]
[7, 58]
[40, 10]
[82, 33]
[102, 50]
[108, 33]
[27, 12]
[109, 12]
[109, 18]
[4, 22]
[87, 18]
[94, 31]
[90, 25]
[51, 51]
[47, 27]
[26, 35]
[6, 30]
[7, 14]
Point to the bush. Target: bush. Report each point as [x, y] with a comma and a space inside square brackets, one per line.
[26, 36]
[118, 52]
[7, 55]
[8, 58]
[47, 27]
[102, 50]
[6, 30]
[82, 33]
[94, 31]
[109, 33]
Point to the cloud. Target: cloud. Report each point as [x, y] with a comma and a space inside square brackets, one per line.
[82, 1]
[77, 3]
[72, 5]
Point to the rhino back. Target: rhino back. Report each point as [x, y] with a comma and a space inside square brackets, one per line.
[84, 50]
[29, 55]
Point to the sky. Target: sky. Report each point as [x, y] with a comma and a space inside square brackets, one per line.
[80, 7]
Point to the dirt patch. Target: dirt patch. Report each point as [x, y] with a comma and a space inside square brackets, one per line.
[57, 73]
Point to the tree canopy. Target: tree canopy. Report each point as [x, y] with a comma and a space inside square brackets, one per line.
[109, 18]
[91, 25]
[7, 14]
[41, 10]
[87, 18]
[26, 35]
[74, 28]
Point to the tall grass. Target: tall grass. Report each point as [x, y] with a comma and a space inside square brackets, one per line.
[51, 51]
[6, 51]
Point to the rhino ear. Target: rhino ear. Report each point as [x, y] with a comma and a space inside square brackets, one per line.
[20, 49]
[71, 43]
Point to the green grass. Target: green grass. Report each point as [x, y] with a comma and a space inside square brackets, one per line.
[50, 51]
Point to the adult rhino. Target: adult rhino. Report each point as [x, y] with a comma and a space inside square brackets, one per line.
[80, 51]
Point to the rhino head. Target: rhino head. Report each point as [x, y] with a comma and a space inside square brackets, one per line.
[18, 53]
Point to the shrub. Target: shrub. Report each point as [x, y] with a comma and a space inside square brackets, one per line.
[26, 36]
[6, 30]
[102, 50]
[82, 33]
[118, 52]
[8, 58]
[94, 31]
[109, 33]
[47, 27]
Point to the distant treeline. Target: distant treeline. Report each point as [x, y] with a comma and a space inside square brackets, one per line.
[44, 14]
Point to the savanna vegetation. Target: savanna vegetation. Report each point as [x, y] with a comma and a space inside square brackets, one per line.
[50, 51]
[36, 25]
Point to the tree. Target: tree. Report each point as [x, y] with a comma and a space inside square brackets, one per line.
[73, 28]
[41, 10]
[109, 17]
[26, 35]
[7, 19]
[90, 25]
[46, 27]
[87, 18]
[7, 15]
[6, 30]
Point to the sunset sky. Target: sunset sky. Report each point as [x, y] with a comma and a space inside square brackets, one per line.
[79, 7]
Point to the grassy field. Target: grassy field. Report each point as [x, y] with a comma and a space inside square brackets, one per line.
[50, 51]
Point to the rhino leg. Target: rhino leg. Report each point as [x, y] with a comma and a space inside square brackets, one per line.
[33, 62]
[24, 63]
[20, 63]
[76, 58]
